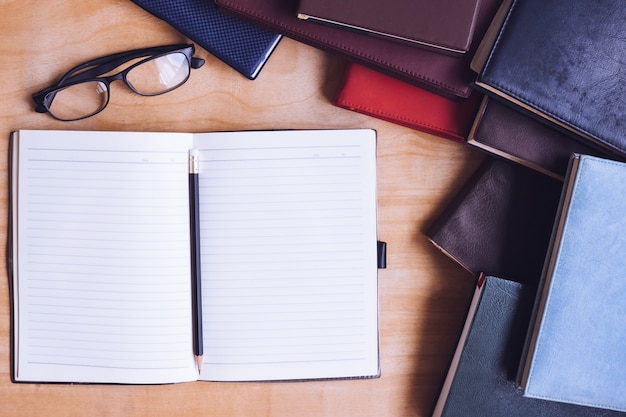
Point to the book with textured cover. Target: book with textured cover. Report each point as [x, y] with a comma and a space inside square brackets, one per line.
[575, 351]
[442, 74]
[562, 62]
[241, 45]
[375, 94]
[445, 26]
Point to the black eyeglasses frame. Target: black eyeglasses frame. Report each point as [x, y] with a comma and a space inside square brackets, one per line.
[93, 69]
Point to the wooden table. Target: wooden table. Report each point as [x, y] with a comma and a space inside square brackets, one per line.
[423, 294]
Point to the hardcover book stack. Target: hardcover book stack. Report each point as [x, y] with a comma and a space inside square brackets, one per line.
[551, 344]
[546, 341]
[408, 62]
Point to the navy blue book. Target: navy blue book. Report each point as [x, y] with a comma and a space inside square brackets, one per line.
[563, 62]
[243, 46]
[481, 378]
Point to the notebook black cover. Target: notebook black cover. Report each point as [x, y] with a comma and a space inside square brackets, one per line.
[242, 45]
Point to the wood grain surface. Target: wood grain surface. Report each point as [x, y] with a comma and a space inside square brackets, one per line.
[423, 294]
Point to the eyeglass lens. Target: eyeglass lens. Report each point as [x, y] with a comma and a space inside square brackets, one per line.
[159, 75]
[155, 76]
[79, 100]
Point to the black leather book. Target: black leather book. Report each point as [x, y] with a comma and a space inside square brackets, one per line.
[500, 221]
[243, 46]
[563, 62]
[480, 380]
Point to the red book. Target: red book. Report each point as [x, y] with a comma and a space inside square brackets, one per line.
[375, 94]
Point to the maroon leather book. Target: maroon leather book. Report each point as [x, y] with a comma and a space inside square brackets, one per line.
[444, 26]
[375, 94]
[508, 133]
[446, 75]
[500, 222]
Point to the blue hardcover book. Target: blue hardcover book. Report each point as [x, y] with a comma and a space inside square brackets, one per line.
[243, 46]
[563, 62]
[575, 349]
[481, 378]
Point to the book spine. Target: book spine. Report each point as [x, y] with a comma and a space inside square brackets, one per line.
[484, 48]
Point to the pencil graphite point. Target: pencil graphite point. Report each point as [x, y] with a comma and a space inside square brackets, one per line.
[199, 363]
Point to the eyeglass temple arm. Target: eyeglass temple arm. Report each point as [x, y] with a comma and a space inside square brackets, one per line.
[196, 62]
[108, 66]
[107, 63]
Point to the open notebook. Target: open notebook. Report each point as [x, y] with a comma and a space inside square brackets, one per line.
[99, 254]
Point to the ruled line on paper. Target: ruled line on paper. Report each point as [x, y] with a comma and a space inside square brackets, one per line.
[276, 225]
[74, 202]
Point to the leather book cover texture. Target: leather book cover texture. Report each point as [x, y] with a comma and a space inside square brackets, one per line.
[500, 221]
[576, 346]
[241, 45]
[563, 62]
[446, 75]
[445, 26]
[481, 378]
[375, 94]
[501, 130]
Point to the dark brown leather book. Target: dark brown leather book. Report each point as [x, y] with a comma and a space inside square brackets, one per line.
[505, 132]
[446, 75]
[500, 221]
[444, 26]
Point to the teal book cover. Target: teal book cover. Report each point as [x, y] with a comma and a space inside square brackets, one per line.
[481, 379]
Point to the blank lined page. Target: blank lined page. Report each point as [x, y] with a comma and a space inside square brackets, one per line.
[288, 226]
[102, 275]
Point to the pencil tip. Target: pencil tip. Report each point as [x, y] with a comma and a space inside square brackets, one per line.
[199, 363]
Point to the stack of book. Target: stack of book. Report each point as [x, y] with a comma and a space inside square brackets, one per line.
[540, 88]
[408, 61]
[556, 345]
[544, 334]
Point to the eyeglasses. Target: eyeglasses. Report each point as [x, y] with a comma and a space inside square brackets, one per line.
[83, 91]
